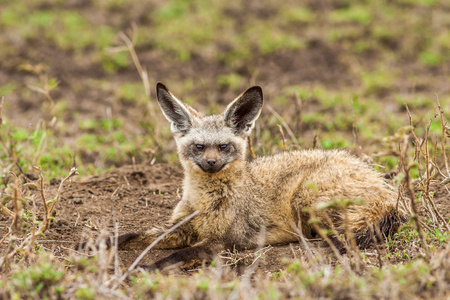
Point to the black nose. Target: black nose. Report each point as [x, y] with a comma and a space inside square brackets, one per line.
[211, 162]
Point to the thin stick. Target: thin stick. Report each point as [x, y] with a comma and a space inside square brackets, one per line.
[354, 127]
[7, 211]
[298, 229]
[407, 183]
[46, 89]
[419, 143]
[261, 242]
[327, 240]
[441, 113]
[285, 125]
[56, 241]
[172, 229]
[350, 239]
[298, 114]
[40, 147]
[283, 137]
[142, 72]
[316, 137]
[116, 250]
[4, 238]
[436, 212]
[73, 172]
[48, 210]
[250, 147]
[16, 196]
[44, 201]
[401, 196]
[1, 111]
[427, 159]
[375, 243]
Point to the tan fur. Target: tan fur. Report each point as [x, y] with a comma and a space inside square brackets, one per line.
[274, 195]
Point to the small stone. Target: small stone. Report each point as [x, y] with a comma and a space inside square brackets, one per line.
[31, 176]
[55, 181]
[62, 222]
[77, 201]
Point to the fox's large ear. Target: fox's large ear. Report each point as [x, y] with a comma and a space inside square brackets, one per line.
[242, 113]
[173, 109]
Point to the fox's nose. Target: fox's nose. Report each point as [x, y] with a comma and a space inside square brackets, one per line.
[211, 162]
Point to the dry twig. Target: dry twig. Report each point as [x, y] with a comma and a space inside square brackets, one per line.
[250, 147]
[285, 125]
[149, 247]
[443, 126]
[375, 243]
[1, 111]
[283, 138]
[46, 89]
[130, 45]
[407, 184]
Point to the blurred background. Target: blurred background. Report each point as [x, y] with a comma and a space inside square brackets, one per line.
[335, 74]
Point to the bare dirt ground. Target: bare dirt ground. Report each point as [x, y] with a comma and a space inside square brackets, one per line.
[138, 197]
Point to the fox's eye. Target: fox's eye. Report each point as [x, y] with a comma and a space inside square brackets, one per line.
[223, 147]
[199, 147]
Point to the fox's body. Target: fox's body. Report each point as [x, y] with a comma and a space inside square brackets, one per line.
[273, 196]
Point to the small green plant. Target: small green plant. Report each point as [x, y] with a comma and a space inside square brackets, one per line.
[353, 13]
[43, 279]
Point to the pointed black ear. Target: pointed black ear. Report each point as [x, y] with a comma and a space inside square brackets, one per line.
[173, 109]
[242, 113]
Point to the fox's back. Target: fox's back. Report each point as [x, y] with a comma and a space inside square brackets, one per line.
[287, 173]
[289, 182]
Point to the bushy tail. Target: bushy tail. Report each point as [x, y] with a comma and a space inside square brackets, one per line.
[369, 226]
[387, 226]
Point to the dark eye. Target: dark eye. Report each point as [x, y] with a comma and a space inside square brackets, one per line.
[199, 147]
[223, 147]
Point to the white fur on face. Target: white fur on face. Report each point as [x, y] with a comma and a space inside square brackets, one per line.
[209, 131]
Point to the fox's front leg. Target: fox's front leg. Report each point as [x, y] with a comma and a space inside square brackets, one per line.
[205, 250]
[183, 236]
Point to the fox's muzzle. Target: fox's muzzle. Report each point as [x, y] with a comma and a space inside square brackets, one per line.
[211, 161]
[211, 165]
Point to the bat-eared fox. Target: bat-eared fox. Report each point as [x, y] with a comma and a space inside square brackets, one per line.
[268, 201]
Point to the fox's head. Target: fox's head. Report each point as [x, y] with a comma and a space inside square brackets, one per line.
[211, 143]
